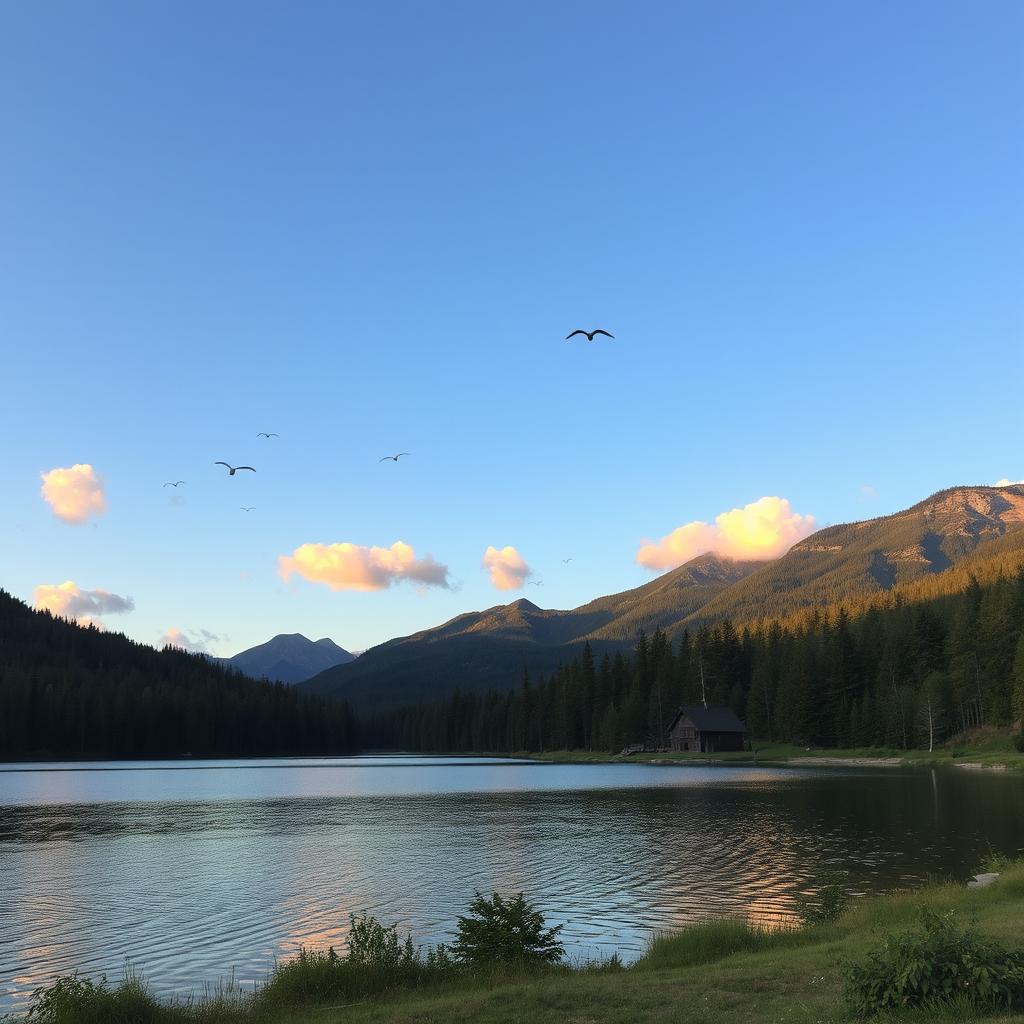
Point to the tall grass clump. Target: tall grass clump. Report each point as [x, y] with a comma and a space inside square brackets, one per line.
[74, 999]
[937, 964]
[705, 943]
[376, 960]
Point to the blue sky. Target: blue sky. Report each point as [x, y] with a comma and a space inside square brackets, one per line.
[369, 227]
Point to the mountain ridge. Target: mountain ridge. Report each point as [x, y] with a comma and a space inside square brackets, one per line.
[489, 649]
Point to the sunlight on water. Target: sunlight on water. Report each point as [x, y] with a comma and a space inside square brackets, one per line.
[193, 870]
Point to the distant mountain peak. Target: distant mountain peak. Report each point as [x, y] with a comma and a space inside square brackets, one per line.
[289, 658]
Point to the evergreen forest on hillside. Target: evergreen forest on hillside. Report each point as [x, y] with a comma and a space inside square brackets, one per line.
[72, 692]
[903, 675]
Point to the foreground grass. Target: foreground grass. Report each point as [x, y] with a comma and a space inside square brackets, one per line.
[990, 748]
[719, 972]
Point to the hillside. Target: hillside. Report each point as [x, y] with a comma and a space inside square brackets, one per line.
[479, 651]
[847, 562]
[71, 692]
[288, 658]
[490, 649]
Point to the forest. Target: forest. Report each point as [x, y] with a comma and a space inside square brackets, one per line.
[74, 692]
[899, 675]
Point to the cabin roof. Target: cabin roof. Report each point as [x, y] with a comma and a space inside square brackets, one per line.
[709, 719]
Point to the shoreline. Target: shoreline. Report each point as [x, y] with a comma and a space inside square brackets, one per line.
[1001, 760]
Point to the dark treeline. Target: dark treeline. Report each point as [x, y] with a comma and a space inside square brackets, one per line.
[71, 692]
[900, 676]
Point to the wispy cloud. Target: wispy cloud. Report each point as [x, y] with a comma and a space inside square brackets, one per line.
[762, 530]
[85, 607]
[868, 491]
[507, 568]
[194, 641]
[74, 492]
[355, 567]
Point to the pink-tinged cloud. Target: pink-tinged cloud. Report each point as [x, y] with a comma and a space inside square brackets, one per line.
[355, 567]
[762, 530]
[507, 568]
[68, 601]
[193, 641]
[74, 493]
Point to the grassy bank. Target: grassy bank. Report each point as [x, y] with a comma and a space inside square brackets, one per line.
[992, 749]
[721, 971]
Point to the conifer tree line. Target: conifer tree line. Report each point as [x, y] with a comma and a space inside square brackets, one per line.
[73, 692]
[902, 676]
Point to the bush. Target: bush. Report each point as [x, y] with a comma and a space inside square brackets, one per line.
[1018, 741]
[502, 929]
[939, 963]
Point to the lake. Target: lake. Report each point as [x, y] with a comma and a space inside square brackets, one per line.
[193, 870]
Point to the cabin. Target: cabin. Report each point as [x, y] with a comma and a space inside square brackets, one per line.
[707, 730]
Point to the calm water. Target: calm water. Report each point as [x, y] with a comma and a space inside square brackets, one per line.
[193, 870]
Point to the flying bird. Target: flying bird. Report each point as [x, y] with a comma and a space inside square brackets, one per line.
[173, 483]
[248, 508]
[536, 583]
[589, 335]
[566, 561]
[232, 470]
[263, 433]
[394, 458]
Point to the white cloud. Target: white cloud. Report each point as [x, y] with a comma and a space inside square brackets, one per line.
[507, 568]
[868, 491]
[760, 531]
[74, 492]
[355, 567]
[1006, 482]
[85, 607]
[193, 641]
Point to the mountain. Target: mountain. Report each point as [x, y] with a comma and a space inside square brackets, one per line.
[489, 649]
[288, 658]
[847, 562]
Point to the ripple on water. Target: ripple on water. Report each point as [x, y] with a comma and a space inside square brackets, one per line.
[195, 874]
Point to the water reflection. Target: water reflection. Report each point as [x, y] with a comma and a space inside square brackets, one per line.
[195, 873]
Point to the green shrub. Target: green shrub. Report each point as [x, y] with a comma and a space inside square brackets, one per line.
[1018, 741]
[73, 999]
[938, 963]
[501, 929]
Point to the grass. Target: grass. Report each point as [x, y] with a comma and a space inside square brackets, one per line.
[988, 748]
[720, 971]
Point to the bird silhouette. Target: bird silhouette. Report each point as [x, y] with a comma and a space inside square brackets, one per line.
[232, 470]
[173, 483]
[263, 433]
[589, 335]
[536, 583]
[566, 561]
[394, 458]
[248, 508]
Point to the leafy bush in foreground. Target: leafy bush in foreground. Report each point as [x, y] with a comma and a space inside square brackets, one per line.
[939, 963]
[502, 929]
